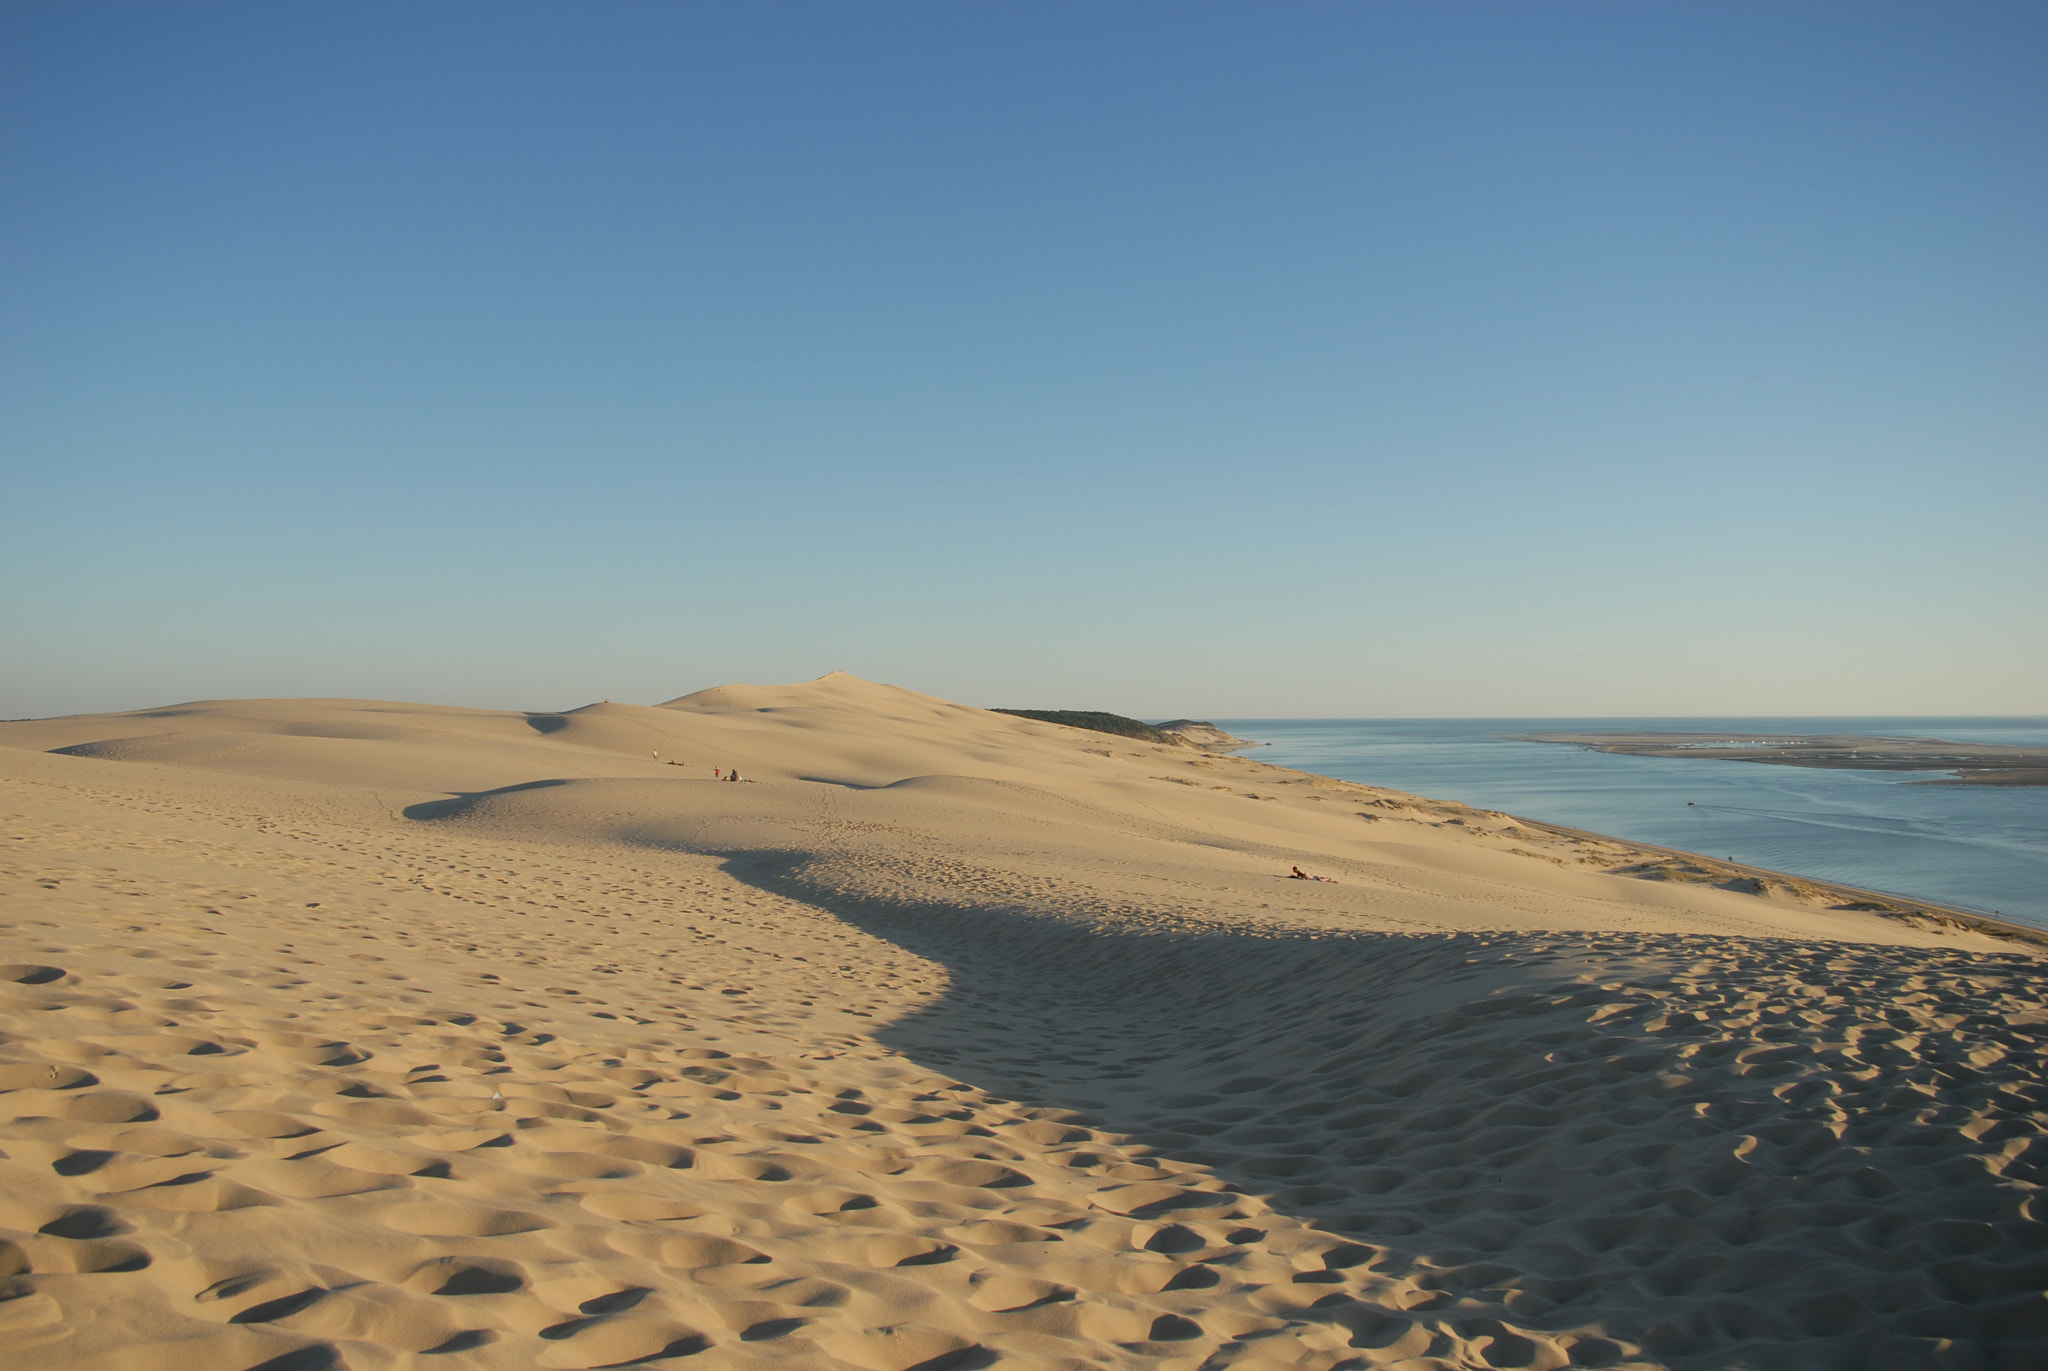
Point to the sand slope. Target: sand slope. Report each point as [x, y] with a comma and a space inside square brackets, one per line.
[350, 1033]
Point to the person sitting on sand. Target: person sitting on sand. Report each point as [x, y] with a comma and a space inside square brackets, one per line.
[1300, 875]
[733, 775]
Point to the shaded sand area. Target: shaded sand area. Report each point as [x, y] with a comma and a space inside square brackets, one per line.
[354, 1034]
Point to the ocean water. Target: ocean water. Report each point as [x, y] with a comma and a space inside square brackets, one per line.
[1982, 848]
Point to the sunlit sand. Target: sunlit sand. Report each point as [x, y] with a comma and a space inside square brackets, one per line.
[344, 1033]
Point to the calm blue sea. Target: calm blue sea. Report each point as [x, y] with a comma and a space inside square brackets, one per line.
[1976, 847]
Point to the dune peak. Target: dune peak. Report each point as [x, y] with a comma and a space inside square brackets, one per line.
[833, 688]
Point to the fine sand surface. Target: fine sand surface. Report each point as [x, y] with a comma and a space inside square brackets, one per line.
[342, 1033]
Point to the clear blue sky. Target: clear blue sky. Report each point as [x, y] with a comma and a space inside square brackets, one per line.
[1358, 359]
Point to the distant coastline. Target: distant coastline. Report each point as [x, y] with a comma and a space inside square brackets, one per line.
[1203, 734]
[1978, 764]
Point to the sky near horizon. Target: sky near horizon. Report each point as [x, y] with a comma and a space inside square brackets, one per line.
[1173, 359]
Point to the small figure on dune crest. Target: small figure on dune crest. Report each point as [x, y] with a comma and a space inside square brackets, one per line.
[733, 775]
[1297, 874]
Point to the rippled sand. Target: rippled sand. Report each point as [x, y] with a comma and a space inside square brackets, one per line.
[353, 1034]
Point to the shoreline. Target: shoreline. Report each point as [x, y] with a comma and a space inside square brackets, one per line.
[1861, 899]
[1885, 904]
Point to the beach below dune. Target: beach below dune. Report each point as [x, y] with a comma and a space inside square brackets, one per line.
[954, 1040]
[1969, 848]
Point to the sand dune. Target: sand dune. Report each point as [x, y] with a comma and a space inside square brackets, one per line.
[347, 1033]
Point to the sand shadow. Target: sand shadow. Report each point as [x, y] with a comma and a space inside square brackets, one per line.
[461, 802]
[1145, 1032]
[1543, 1131]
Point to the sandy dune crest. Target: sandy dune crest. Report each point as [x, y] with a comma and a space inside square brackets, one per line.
[347, 1033]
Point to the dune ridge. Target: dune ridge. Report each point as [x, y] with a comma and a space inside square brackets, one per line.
[346, 1033]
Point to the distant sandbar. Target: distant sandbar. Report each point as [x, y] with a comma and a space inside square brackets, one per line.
[1968, 763]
